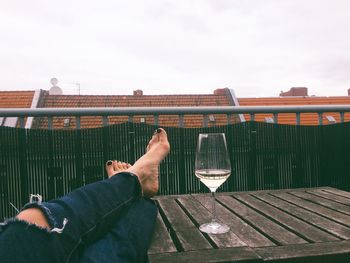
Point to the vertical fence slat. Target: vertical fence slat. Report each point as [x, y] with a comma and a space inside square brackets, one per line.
[53, 162]
[298, 118]
[181, 121]
[205, 120]
[252, 116]
[105, 121]
[49, 123]
[156, 119]
[21, 122]
[275, 117]
[320, 118]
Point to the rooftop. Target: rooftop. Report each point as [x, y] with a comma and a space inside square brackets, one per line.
[220, 97]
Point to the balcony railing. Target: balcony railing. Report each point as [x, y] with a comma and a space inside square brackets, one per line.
[53, 162]
[50, 113]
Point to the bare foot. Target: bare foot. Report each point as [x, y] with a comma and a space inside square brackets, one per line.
[146, 168]
[115, 167]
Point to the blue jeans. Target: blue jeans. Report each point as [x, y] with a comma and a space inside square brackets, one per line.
[106, 221]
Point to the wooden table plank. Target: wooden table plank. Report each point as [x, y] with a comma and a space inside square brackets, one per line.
[161, 241]
[184, 229]
[295, 225]
[307, 216]
[331, 196]
[326, 212]
[239, 227]
[265, 225]
[306, 252]
[322, 201]
[236, 254]
[302, 228]
[338, 192]
[201, 215]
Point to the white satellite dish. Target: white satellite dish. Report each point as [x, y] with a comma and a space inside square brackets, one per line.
[55, 90]
[54, 81]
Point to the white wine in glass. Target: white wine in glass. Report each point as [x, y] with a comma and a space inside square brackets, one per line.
[212, 168]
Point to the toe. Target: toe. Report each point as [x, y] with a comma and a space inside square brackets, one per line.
[124, 166]
[119, 166]
[109, 168]
[115, 165]
[153, 140]
[162, 135]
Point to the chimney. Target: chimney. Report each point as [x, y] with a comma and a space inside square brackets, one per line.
[298, 91]
[348, 92]
[219, 92]
[138, 92]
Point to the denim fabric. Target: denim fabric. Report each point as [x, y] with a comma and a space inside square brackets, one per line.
[129, 239]
[91, 213]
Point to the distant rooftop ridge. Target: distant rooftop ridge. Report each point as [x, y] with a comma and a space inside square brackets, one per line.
[296, 91]
[219, 97]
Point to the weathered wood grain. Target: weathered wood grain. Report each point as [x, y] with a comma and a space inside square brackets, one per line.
[202, 215]
[305, 252]
[338, 192]
[331, 196]
[265, 225]
[236, 254]
[322, 201]
[307, 216]
[161, 241]
[298, 226]
[184, 229]
[295, 225]
[324, 211]
[247, 234]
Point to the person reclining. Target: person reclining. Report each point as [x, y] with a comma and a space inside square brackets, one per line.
[106, 221]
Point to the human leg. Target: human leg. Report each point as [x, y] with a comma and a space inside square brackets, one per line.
[130, 237]
[90, 210]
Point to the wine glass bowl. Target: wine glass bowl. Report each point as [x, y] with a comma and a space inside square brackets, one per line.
[212, 167]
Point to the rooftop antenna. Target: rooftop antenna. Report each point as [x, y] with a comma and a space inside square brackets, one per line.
[76, 84]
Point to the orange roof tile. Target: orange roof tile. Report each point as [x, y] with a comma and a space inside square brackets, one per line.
[16, 99]
[290, 118]
[23, 99]
[65, 101]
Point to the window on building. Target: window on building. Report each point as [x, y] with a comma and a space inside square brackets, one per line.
[66, 122]
[331, 119]
[269, 120]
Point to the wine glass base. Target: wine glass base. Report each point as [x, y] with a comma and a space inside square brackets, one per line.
[214, 228]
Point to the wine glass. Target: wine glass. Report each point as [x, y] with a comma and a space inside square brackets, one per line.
[212, 168]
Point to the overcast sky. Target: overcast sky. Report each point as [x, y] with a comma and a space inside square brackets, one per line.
[255, 47]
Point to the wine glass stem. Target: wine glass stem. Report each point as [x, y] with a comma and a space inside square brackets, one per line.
[214, 206]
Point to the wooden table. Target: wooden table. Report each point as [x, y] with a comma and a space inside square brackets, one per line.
[297, 225]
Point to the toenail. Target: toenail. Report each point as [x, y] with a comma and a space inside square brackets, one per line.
[109, 163]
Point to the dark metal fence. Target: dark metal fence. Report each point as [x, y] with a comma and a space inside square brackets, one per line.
[263, 156]
[230, 111]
